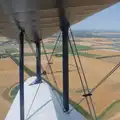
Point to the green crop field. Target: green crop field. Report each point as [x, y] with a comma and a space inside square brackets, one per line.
[59, 47]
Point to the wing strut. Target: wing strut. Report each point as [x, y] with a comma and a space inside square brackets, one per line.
[38, 61]
[21, 73]
[64, 28]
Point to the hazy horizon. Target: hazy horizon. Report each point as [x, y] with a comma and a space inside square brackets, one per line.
[108, 20]
[96, 30]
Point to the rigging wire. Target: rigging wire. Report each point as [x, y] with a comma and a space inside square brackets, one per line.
[108, 75]
[55, 49]
[58, 39]
[46, 56]
[52, 74]
[101, 81]
[29, 43]
[35, 97]
[27, 39]
[33, 101]
[80, 79]
[41, 107]
[85, 80]
[49, 65]
[42, 68]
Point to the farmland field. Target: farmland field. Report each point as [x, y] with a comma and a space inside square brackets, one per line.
[95, 70]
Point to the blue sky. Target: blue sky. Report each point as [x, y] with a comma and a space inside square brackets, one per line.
[108, 19]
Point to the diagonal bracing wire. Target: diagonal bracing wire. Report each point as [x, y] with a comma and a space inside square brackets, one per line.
[29, 43]
[52, 76]
[105, 78]
[80, 79]
[85, 80]
[55, 46]
[33, 101]
[102, 81]
[58, 39]
[49, 64]
[39, 84]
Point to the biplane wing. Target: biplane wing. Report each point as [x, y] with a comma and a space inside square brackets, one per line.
[43, 15]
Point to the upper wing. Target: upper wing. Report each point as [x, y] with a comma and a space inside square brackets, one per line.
[42, 15]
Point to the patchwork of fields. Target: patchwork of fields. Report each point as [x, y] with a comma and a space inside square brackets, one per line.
[95, 69]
